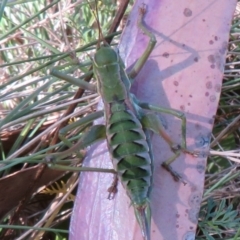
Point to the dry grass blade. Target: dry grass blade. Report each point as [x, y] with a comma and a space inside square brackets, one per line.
[34, 104]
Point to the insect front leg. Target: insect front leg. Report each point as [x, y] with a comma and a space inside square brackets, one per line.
[152, 42]
[151, 121]
[75, 81]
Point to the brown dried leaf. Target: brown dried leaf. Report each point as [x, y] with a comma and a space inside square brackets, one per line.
[14, 187]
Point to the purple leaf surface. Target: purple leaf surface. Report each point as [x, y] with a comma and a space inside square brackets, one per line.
[184, 72]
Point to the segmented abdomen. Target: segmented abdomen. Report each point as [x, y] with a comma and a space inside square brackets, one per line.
[130, 152]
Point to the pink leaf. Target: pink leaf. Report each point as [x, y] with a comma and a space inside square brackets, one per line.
[184, 72]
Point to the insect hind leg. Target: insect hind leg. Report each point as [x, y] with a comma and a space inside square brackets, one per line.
[151, 121]
[113, 188]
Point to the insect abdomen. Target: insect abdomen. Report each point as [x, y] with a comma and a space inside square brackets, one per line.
[130, 152]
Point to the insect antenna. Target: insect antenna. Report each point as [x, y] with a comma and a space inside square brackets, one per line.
[96, 16]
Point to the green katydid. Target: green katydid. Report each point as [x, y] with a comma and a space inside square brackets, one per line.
[127, 127]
